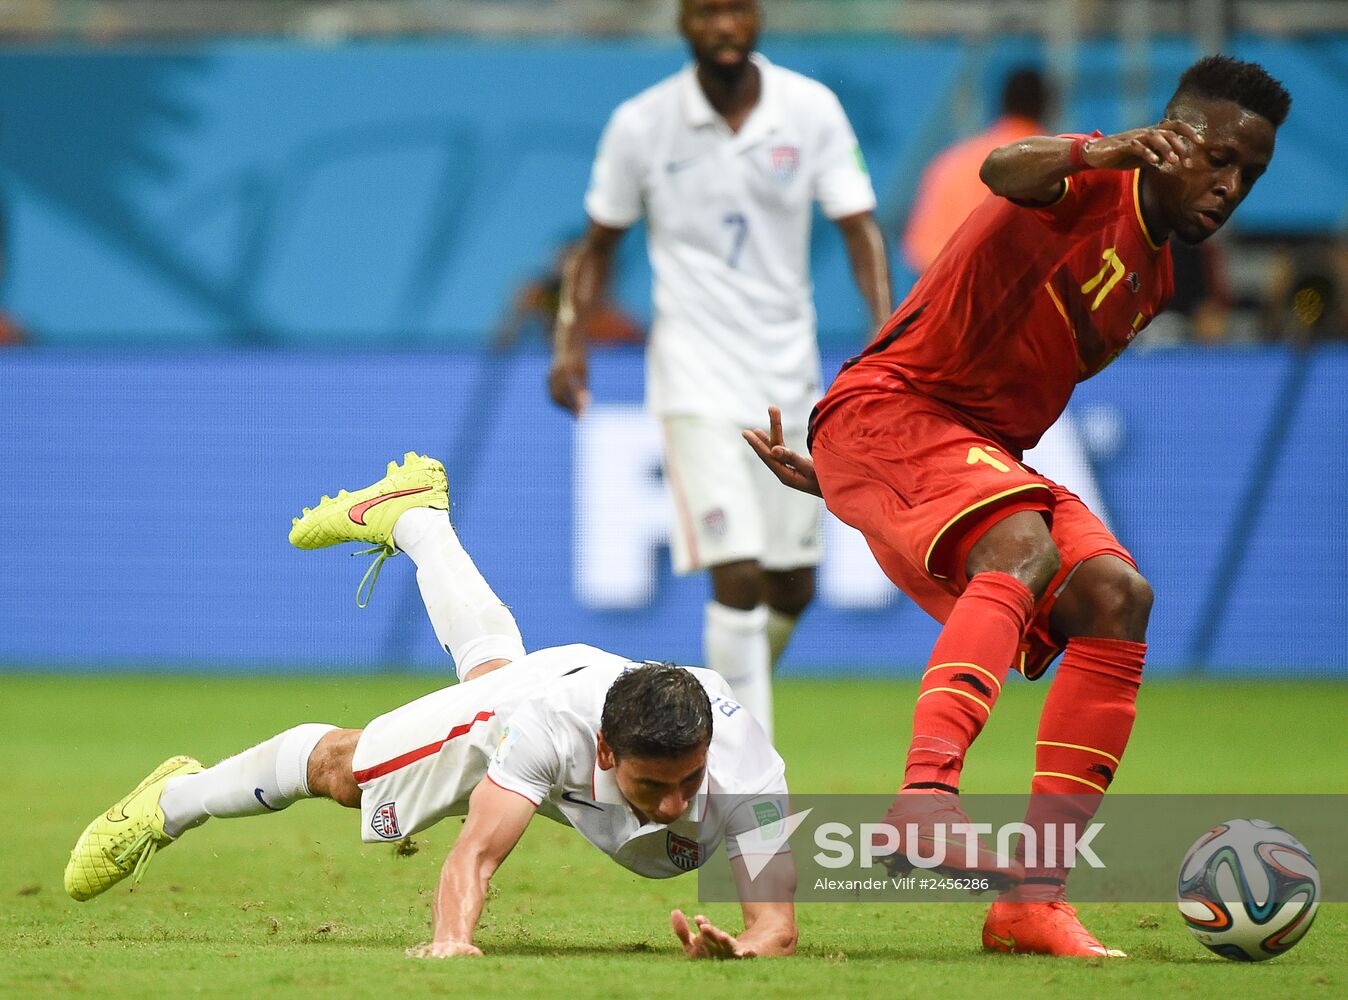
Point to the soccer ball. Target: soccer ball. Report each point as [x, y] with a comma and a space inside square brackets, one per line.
[1248, 890]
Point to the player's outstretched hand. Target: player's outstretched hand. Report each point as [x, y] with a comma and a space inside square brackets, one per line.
[568, 381]
[1165, 145]
[791, 468]
[709, 941]
[444, 949]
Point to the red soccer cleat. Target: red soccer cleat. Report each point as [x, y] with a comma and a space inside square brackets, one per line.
[1041, 929]
[932, 815]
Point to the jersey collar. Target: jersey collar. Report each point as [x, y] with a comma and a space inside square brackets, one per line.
[765, 117]
[606, 792]
[1137, 210]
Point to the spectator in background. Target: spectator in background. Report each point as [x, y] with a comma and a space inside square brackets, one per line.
[950, 189]
[1306, 304]
[533, 313]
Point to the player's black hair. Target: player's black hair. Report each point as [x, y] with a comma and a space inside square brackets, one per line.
[1025, 93]
[1248, 84]
[657, 710]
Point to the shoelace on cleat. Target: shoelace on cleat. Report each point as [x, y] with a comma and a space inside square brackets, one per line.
[149, 844]
[372, 574]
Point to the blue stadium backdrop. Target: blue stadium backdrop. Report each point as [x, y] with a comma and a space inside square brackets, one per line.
[148, 498]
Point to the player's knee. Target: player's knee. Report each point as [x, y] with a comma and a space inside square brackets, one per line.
[1108, 599]
[738, 584]
[1033, 565]
[1019, 546]
[790, 592]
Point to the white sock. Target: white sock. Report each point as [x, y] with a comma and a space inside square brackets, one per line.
[780, 628]
[736, 644]
[470, 621]
[266, 778]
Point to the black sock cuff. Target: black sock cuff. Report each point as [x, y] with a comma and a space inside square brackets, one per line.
[939, 786]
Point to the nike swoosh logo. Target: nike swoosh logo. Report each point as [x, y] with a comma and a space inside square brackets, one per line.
[257, 794]
[357, 513]
[1005, 942]
[575, 800]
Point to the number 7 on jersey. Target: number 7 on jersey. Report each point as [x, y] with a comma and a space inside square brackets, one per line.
[737, 222]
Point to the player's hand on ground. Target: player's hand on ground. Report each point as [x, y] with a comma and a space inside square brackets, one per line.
[791, 468]
[1166, 145]
[707, 940]
[444, 949]
[568, 381]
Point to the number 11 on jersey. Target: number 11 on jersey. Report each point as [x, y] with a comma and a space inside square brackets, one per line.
[740, 232]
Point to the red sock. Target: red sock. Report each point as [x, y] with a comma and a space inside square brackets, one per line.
[1087, 718]
[964, 676]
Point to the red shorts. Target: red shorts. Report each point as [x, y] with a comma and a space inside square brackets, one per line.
[923, 487]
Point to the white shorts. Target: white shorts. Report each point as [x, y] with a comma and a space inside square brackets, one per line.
[728, 506]
[419, 763]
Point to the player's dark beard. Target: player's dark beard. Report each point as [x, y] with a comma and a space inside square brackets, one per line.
[729, 76]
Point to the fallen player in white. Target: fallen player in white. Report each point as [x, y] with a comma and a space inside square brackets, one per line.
[653, 764]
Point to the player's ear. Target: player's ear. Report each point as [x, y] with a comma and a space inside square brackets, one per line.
[604, 755]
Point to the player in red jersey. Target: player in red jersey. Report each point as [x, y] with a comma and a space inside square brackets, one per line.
[918, 444]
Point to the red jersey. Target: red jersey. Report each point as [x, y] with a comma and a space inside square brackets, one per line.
[1024, 302]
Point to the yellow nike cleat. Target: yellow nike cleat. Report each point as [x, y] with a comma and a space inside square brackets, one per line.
[122, 841]
[368, 515]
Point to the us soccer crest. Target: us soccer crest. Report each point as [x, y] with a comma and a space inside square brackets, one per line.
[685, 852]
[714, 522]
[384, 822]
[785, 161]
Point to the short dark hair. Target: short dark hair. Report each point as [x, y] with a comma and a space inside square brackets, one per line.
[1025, 93]
[656, 710]
[1248, 84]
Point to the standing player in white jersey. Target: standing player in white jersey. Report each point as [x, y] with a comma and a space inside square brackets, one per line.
[653, 764]
[726, 160]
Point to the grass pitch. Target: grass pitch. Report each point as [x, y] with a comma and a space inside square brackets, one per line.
[294, 906]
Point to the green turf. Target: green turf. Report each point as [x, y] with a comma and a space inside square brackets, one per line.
[294, 905]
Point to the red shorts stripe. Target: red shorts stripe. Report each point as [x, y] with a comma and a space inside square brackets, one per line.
[412, 756]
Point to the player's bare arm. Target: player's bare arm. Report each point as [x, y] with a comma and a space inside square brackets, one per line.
[584, 279]
[496, 821]
[790, 467]
[1034, 168]
[870, 264]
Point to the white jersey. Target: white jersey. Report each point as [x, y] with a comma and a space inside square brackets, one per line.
[531, 728]
[729, 217]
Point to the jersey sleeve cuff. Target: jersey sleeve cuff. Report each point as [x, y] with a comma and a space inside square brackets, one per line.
[841, 209]
[605, 214]
[518, 787]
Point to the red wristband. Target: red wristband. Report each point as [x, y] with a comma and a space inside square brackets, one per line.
[1078, 153]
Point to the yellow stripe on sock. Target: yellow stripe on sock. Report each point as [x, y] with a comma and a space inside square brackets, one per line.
[971, 666]
[963, 694]
[1069, 777]
[1077, 746]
